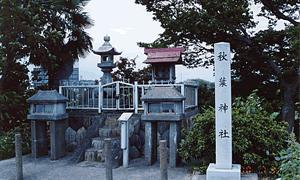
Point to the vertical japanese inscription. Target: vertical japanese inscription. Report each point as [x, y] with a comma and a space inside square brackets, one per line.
[223, 106]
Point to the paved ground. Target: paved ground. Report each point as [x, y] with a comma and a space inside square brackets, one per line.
[43, 168]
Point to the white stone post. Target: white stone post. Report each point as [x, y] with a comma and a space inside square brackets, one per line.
[124, 119]
[117, 93]
[136, 101]
[223, 106]
[183, 93]
[100, 97]
[223, 168]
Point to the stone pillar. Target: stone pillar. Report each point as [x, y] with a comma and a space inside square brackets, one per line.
[163, 160]
[57, 138]
[175, 137]
[150, 142]
[223, 168]
[38, 139]
[18, 149]
[106, 77]
[108, 159]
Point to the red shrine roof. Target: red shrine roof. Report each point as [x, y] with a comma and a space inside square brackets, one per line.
[164, 55]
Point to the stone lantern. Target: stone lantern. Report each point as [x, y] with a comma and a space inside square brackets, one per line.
[162, 104]
[163, 63]
[107, 52]
[48, 106]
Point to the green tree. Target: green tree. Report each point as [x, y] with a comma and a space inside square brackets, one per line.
[125, 70]
[263, 58]
[50, 33]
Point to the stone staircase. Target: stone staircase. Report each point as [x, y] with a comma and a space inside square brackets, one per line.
[112, 130]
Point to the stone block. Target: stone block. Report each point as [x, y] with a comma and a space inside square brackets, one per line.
[71, 146]
[135, 121]
[166, 136]
[57, 138]
[104, 132]
[117, 153]
[70, 135]
[111, 121]
[115, 133]
[90, 154]
[151, 142]
[142, 126]
[137, 127]
[142, 137]
[131, 130]
[143, 150]
[175, 139]
[212, 173]
[87, 122]
[133, 152]
[98, 143]
[78, 154]
[163, 127]
[135, 140]
[100, 155]
[39, 138]
[80, 134]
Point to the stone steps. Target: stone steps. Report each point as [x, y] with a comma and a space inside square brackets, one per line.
[112, 131]
[97, 152]
[99, 143]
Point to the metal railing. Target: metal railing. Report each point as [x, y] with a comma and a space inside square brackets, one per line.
[81, 97]
[120, 95]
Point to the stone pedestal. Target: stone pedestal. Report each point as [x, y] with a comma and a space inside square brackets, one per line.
[57, 138]
[151, 142]
[212, 173]
[175, 137]
[106, 77]
[38, 139]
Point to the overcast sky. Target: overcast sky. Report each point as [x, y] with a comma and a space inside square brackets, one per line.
[128, 23]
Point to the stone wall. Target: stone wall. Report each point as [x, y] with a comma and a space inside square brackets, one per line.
[79, 122]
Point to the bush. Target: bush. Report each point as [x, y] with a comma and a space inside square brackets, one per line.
[257, 139]
[290, 160]
[7, 142]
[206, 97]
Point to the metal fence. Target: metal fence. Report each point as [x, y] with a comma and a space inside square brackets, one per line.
[120, 95]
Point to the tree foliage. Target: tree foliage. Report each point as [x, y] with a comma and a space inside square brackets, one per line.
[48, 33]
[256, 138]
[266, 58]
[51, 33]
[290, 160]
[125, 72]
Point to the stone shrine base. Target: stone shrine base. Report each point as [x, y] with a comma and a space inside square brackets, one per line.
[223, 174]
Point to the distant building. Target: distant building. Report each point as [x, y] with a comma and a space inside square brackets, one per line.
[43, 75]
[74, 76]
[78, 83]
[73, 79]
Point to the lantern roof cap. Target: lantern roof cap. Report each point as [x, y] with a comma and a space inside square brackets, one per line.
[106, 48]
[163, 94]
[47, 96]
